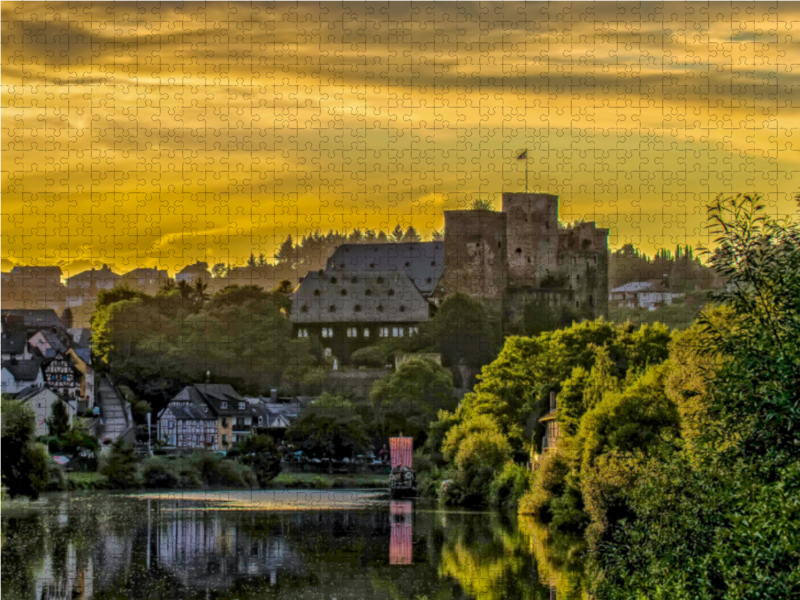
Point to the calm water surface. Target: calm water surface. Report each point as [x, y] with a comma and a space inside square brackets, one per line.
[275, 544]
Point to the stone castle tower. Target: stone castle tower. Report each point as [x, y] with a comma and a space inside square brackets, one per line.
[522, 254]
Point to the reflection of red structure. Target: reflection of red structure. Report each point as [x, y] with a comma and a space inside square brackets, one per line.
[400, 544]
[402, 449]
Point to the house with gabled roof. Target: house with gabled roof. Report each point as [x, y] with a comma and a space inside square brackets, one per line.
[15, 341]
[146, 279]
[19, 374]
[206, 415]
[41, 401]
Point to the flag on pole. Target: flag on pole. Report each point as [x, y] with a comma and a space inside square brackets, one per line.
[523, 156]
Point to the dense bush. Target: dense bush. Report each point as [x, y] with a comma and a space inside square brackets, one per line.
[509, 486]
[548, 483]
[119, 469]
[371, 356]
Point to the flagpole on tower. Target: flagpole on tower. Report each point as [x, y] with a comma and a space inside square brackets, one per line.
[524, 156]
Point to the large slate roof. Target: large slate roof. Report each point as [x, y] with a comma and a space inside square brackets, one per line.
[358, 297]
[213, 395]
[15, 338]
[423, 262]
[46, 317]
[23, 370]
[187, 410]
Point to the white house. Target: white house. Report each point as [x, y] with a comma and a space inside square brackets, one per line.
[642, 294]
[19, 374]
[41, 400]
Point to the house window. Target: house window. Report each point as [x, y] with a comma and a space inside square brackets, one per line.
[302, 333]
[205, 409]
[383, 332]
[224, 405]
[241, 405]
[327, 332]
[413, 330]
[352, 332]
[397, 332]
[260, 421]
[366, 332]
[225, 439]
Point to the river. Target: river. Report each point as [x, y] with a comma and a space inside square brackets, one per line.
[297, 544]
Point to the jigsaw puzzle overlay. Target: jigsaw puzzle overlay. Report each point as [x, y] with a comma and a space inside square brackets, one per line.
[259, 254]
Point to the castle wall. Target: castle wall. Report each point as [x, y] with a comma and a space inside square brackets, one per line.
[583, 259]
[475, 253]
[532, 235]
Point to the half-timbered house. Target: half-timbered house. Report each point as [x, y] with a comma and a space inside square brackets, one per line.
[61, 376]
[229, 413]
[184, 425]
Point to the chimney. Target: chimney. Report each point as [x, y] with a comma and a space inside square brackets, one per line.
[273, 395]
[552, 401]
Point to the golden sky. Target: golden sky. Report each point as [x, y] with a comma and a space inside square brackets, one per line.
[138, 134]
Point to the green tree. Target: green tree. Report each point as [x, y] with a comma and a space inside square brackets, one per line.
[24, 466]
[119, 469]
[58, 423]
[408, 400]
[260, 453]
[330, 427]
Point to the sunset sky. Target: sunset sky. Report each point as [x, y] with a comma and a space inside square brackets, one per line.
[161, 134]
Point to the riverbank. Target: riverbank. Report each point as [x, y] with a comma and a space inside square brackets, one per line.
[284, 481]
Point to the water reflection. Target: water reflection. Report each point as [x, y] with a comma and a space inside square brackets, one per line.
[105, 546]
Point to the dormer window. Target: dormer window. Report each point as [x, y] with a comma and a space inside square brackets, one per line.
[205, 409]
[241, 405]
[223, 405]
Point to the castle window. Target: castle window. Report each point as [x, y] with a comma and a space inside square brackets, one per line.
[371, 265]
[303, 309]
[366, 332]
[380, 307]
[341, 266]
[332, 308]
[368, 292]
[518, 250]
[391, 292]
[591, 301]
[344, 292]
[402, 308]
[357, 308]
[352, 332]
[316, 292]
[333, 280]
[499, 244]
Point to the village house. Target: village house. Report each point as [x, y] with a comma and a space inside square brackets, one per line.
[85, 286]
[19, 374]
[33, 320]
[642, 294]
[41, 401]
[145, 279]
[552, 434]
[48, 342]
[211, 416]
[193, 273]
[81, 359]
[61, 376]
[15, 341]
[275, 415]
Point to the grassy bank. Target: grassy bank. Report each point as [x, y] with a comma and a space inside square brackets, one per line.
[284, 481]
